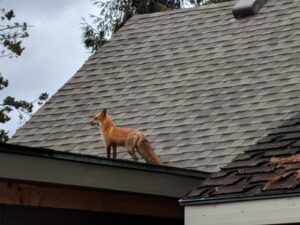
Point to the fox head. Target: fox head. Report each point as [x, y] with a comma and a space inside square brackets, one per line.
[99, 117]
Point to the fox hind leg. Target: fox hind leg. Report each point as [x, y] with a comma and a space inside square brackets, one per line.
[131, 145]
[133, 155]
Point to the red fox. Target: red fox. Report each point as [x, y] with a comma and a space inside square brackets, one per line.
[132, 139]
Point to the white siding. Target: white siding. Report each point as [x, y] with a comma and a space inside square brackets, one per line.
[259, 212]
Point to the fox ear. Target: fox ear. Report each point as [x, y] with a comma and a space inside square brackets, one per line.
[104, 112]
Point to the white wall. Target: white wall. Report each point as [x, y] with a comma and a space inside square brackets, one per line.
[258, 212]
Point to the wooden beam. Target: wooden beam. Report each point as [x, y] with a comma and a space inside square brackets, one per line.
[29, 194]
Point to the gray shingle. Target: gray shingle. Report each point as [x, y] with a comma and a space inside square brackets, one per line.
[201, 85]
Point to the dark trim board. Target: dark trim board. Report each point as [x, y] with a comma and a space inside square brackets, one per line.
[20, 215]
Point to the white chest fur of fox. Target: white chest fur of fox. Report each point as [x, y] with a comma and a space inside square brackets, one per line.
[129, 138]
[102, 136]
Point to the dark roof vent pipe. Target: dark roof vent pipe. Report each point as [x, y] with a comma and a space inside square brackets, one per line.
[244, 8]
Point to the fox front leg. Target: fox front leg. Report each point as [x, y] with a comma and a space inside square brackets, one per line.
[108, 151]
[114, 151]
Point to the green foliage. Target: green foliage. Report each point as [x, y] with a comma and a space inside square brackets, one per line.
[11, 35]
[93, 39]
[10, 104]
[3, 82]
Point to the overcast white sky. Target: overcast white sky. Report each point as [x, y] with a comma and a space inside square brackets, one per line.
[54, 49]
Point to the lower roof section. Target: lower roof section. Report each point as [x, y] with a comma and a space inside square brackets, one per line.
[49, 166]
[269, 169]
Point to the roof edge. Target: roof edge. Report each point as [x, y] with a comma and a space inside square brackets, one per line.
[96, 160]
[232, 199]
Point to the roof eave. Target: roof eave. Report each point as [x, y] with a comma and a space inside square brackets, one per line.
[48, 166]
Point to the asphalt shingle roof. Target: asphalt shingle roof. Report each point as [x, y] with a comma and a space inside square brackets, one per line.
[202, 85]
[272, 166]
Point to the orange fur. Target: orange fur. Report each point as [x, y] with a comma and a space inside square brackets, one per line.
[147, 152]
[132, 139]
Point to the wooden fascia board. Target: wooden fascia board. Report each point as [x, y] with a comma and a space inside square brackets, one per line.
[104, 201]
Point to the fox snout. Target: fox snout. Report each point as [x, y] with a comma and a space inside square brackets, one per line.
[93, 122]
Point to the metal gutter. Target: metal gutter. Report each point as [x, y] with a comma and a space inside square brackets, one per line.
[241, 198]
[96, 160]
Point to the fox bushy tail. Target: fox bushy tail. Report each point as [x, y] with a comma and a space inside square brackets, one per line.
[147, 152]
[137, 140]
